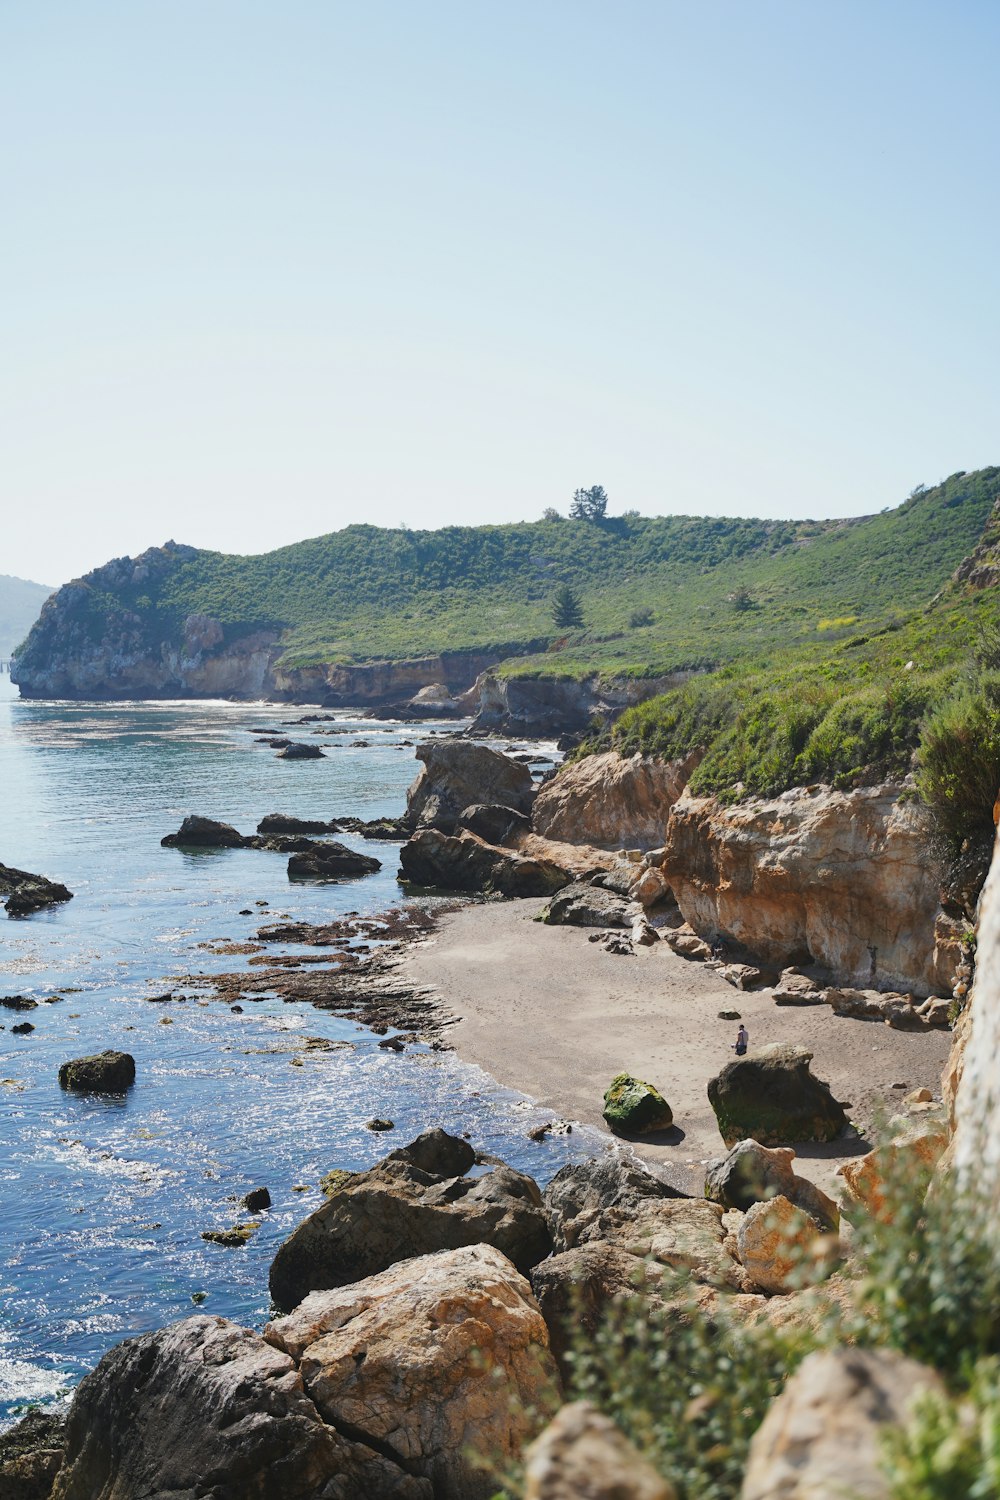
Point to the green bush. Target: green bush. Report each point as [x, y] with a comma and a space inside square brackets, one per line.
[958, 763]
[950, 1449]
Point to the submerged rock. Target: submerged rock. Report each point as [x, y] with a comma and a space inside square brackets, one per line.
[296, 751]
[413, 1202]
[331, 862]
[27, 893]
[101, 1073]
[457, 774]
[773, 1097]
[466, 863]
[632, 1107]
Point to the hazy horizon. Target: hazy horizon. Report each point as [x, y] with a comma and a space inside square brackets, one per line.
[271, 273]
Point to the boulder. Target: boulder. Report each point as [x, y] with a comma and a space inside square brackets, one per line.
[492, 823]
[781, 1248]
[27, 893]
[204, 833]
[582, 1455]
[632, 1107]
[297, 751]
[650, 889]
[752, 1173]
[843, 877]
[822, 1437]
[331, 862]
[102, 1073]
[796, 988]
[31, 1456]
[773, 1097]
[580, 1191]
[256, 1200]
[581, 905]
[457, 774]
[612, 801]
[285, 823]
[401, 1208]
[912, 1148]
[901, 1012]
[466, 863]
[205, 1408]
[442, 1363]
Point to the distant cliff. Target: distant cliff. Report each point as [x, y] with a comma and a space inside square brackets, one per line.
[20, 601]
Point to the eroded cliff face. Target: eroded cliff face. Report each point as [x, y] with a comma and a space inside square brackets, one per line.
[842, 878]
[612, 801]
[560, 705]
[972, 1080]
[382, 682]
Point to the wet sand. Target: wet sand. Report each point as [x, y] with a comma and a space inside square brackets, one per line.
[549, 1013]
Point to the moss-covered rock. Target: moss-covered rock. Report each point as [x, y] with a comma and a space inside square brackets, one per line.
[632, 1107]
[773, 1098]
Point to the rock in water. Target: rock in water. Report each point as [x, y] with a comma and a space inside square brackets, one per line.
[30, 1457]
[204, 833]
[581, 905]
[455, 775]
[331, 862]
[466, 863]
[414, 1202]
[27, 893]
[286, 823]
[205, 1408]
[632, 1107]
[442, 1362]
[773, 1097]
[295, 751]
[256, 1200]
[582, 1455]
[102, 1073]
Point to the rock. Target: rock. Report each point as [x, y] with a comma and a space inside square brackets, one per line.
[774, 1098]
[205, 1408]
[376, 828]
[650, 889]
[905, 1159]
[580, 905]
[796, 988]
[582, 1455]
[822, 1437]
[741, 976]
[22, 1028]
[457, 774]
[492, 823]
[781, 1248]
[730, 1015]
[642, 934]
[434, 695]
[688, 945]
[331, 862]
[632, 1107]
[18, 1002]
[843, 877]
[438, 1362]
[102, 1073]
[411, 1203]
[297, 751]
[752, 1173]
[580, 1191]
[256, 1200]
[30, 1457]
[285, 823]
[970, 1084]
[466, 863]
[919, 1096]
[204, 833]
[379, 1125]
[612, 801]
[901, 1012]
[233, 1237]
[27, 893]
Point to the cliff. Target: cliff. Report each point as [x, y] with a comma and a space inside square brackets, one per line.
[20, 601]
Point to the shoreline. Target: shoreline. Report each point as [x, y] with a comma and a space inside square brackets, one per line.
[545, 1012]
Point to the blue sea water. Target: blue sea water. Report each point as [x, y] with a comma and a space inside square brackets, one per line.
[103, 1200]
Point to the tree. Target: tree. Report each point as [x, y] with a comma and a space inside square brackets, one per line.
[551, 514]
[567, 611]
[589, 505]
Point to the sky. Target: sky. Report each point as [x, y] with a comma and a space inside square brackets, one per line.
[269, 269]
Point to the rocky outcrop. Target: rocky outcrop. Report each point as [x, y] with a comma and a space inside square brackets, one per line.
[285, 823]
[974, 1084]
[752, 1173]
[442, 1363]
[331, 861]
[197, 832]
[773, 1097]
[840, 878]
[467, 863]
[781, 1247]
[414, 1202]
[581, 1191]
[30, 1457]
[27, 893]
[456, 775]
[822, 1437]
[582, 1455]
[560, 705]
[612, 801]
[390, 684]
[586, 905]
[102, 1073]
[297, 750]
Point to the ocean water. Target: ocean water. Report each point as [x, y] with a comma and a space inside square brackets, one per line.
[103, 1200]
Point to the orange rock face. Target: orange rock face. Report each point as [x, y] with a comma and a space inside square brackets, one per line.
[611, 800]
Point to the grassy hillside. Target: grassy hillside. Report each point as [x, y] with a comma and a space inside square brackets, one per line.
[20, 601]
[368, 594]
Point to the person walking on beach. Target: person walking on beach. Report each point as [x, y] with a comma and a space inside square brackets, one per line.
[742, 1041]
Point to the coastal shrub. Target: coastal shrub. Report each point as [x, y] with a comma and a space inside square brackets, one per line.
[950, 1448]
[958, 763]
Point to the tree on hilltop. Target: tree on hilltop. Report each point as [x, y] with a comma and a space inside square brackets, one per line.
[589, 505]
[567, 609]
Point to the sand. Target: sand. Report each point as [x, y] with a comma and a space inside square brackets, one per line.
[550, 1014]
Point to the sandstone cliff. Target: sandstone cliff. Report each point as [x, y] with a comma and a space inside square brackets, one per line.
[612, 801]
[972, 1083]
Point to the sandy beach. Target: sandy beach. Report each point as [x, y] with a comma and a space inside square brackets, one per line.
[549, 1013]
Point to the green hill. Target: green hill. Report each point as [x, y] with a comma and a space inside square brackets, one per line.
[20, 602]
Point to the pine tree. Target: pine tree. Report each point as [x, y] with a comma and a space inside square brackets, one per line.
[589, 505]
[567, 611]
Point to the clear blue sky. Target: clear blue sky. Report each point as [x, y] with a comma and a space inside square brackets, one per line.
[270, 268]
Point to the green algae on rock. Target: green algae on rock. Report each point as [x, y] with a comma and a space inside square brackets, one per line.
[632, 1107]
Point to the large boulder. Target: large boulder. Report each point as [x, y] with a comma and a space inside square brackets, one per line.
[204, 833]
[457, 774]
[405, 1206]
[899, 1165]
[822, 1437]
[632, 1107]
[492, 823]
[442, 1363]
[31, 1454]
[843, 877]
[205, 1408]
[773, 1097]
[295, 750]
[582, 1455]
[580, 1191]
[287, 823]
[466, 863]
[331, 861]
[752, 1173]
[585, 905]
[781, 1247]
[27, 893]
[107, 1072]
[612, 801]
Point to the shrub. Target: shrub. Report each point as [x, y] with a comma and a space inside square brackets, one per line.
[958, 763]
[640, 617]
